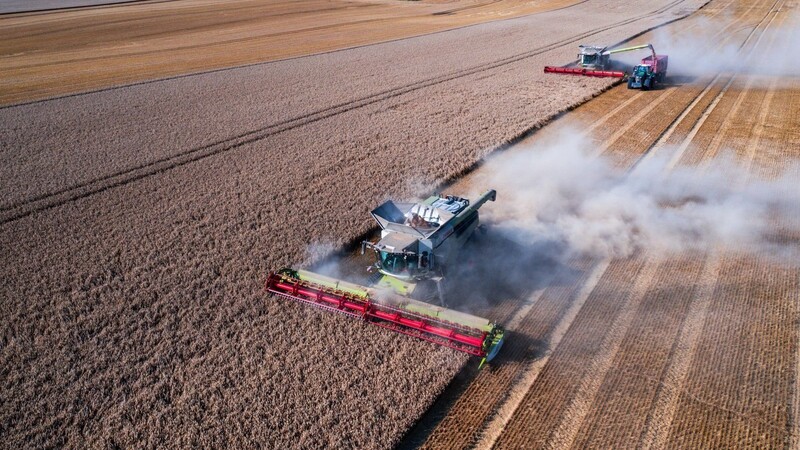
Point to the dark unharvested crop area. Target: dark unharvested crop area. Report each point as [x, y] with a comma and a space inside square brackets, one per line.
[138, 225]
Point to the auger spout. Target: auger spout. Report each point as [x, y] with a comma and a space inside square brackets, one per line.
[490, 195]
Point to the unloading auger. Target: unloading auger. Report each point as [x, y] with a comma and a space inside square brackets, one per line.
[418, 241]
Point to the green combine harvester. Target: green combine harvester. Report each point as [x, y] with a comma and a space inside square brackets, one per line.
[418, 242]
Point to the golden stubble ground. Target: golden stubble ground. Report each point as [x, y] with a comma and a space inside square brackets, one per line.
[48, 54]
[694, 350]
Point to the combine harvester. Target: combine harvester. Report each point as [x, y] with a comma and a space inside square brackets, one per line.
[594, 61]
[418, 241]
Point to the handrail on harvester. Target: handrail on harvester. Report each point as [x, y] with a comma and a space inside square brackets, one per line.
[466, 339]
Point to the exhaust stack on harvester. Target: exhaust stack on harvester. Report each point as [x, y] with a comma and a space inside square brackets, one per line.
[418, 241]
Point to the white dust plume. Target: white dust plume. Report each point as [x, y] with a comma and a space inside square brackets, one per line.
[558, 193]
[715, 45]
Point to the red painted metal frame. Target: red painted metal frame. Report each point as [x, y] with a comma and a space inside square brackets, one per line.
[584, 72]
[459, 337]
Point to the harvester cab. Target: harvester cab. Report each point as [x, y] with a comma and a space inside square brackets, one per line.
[592, 57]
[418, 242]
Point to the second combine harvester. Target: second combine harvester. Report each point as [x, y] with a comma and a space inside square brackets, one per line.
[595, 61]
[418, 241]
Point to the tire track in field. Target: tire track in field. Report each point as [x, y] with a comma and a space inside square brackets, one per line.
[760, 126]
[528, 377]
[581, 404]
[659, 420]
[42, 202]
[716, 143]
[681, 152]
[684, 146]
[679, 120]
[634, 121]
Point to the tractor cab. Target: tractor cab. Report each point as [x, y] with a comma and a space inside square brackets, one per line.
[642, 77]
[642, 70]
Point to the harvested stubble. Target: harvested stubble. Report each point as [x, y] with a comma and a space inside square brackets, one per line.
[720, 372]
[547, 401]
[21, 6]
[56, 53]
[620, 410]
[741, 390]
[136, 314]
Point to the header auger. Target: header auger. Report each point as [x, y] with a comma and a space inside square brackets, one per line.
[418, 241]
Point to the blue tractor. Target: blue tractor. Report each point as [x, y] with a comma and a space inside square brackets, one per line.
[651, 71]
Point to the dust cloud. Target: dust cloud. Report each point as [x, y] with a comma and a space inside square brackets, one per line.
[716, 46]
[558, 193]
